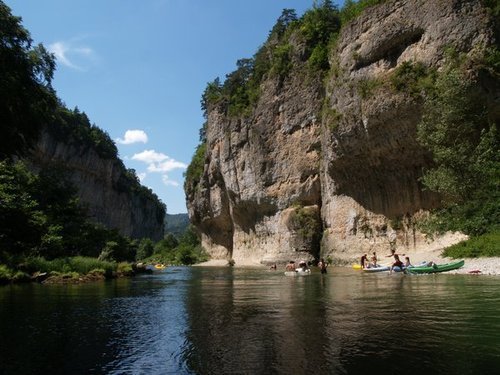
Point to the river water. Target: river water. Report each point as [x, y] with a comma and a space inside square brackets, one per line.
[197, 320]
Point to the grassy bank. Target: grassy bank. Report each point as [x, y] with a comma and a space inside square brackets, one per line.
[71, 269]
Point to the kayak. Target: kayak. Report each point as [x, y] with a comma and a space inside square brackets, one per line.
[437, 267]
[377, 269]
[356, 266]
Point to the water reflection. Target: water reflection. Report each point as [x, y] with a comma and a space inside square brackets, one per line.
[253, 321]
[246, 321]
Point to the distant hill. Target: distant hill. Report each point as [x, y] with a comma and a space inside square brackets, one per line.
[176, 224]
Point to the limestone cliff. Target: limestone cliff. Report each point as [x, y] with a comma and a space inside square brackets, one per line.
[103, 186]
[338, 166]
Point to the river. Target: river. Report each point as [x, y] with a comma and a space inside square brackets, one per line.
[208, 320]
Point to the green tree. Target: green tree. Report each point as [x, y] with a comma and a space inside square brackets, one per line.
[169, 243]
[190, 237]
[287, 17]
[195, 169]
[461, 132]
[21, 221]
[145, 249]
[109, 250]
[27, 100]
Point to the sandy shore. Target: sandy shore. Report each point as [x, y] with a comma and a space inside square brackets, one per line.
[212, 263]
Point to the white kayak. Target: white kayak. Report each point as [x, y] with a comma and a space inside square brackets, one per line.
[377, 269]
[298, 272]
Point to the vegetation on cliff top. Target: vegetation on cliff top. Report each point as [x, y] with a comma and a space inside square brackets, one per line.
[312, 32]
[315, 32]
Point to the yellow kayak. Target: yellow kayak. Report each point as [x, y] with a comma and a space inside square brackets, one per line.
[356, 266]
[159, 266]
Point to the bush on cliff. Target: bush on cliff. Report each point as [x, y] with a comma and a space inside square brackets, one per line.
[195, 169]
[460, 127]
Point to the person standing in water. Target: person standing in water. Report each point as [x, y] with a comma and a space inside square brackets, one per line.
[364, 261]
[322, 265]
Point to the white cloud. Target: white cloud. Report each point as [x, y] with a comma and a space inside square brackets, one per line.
[133, 136]
[66, 53]
[158, 162]
[150, 156]
[166, 166]
[169, 182]
[141, 176]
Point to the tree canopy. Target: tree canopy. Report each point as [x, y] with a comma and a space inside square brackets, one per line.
[460, 128]
[27, 100]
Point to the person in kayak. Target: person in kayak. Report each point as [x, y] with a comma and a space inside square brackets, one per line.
[374, 260]
[303, 266]
[407, 262]
[397, 265]
[290, 266]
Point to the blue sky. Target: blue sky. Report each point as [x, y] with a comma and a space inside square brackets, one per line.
[138, 69]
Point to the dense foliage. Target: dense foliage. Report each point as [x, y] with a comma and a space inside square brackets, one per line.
[307, 223]
[485, 245]
[27, 100]
[459, 128]
[40, 215]
[195, 169]
[185, 250]
[75, 126]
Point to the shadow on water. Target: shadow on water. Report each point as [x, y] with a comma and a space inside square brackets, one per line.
[253, 321]
[244, 321]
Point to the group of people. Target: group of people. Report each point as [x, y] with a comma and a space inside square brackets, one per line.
[303, 266]
[365, 263]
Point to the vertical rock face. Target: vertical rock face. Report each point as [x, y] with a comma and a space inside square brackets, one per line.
[102, 188]
[340, 167]
[259, 173]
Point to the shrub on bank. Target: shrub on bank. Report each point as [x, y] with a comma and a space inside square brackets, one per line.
[485, 245]
[80, 265]
[124, 269]
[5, 274]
